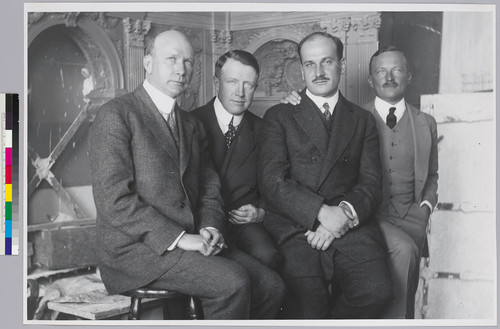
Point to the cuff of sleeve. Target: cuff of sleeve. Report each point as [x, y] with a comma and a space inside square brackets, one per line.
[174, 244]
[353, 212]
[428, 204]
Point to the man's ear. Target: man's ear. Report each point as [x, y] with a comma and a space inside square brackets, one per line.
[342, 66]
[409, 77]
[147, 61]
[370, 81]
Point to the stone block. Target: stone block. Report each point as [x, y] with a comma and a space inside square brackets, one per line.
[459, 299]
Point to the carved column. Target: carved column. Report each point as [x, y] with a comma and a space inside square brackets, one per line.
[359, 33]
[134, 33]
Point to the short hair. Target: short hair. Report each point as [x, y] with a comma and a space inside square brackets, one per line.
[338, 43]
[241, 56]
[387, 49]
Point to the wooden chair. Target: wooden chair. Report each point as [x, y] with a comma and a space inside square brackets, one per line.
[192, 311]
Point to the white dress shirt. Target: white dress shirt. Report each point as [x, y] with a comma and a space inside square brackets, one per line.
[383, 107]
[162, 101]
[224, 117]
[320, 101]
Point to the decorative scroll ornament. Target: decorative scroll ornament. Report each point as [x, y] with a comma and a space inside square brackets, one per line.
[223, 36]
[33, 18]
[359, 28]
[70, 19]
[135, 31]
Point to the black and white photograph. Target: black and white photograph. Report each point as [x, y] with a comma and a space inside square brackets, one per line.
[259, 164]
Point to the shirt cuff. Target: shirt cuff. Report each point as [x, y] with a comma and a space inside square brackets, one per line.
[353, 212]
[174, 244]
[428, 204]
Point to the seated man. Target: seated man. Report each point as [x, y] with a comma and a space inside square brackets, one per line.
[232, 133]
[320, 174]
[160, 222]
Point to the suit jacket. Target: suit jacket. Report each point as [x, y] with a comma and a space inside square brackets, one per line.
[148, 189]
[301, 167]
[424, 129]
[238, 166]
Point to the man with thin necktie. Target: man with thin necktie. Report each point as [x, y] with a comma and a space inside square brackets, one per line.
[409, 155]
[232, 137]
[320, 174]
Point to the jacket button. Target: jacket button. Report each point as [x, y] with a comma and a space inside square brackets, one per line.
[345, 160]
[319, 191]
[251, 190]
[342, 194]
[314, 159]
[183, 204]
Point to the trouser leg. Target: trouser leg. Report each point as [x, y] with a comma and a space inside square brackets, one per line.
[254, 240]
[366, 287]
[267, 288]
[222, 285]
[306, 298]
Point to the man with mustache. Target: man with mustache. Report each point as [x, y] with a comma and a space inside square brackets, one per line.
[410, 168]
[409, 157]
[320, 174]
[160, 222]
[232, 137]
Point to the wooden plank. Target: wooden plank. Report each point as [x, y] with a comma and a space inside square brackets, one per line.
[65, 197]
[70, 133]
[50, 226]
[107, 307]
[39, 273]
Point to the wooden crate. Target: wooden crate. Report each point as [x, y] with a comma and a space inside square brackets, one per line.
[65, 247]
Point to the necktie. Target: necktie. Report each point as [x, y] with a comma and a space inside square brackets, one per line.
[171, 122]
[327, 113]
[391, 118]
[230, 133]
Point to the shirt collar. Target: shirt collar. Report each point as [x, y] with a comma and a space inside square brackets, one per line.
[163, 102]
[382, 107]
[224, 117]
[319, 101]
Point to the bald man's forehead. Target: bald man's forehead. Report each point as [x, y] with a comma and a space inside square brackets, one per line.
[173, 41]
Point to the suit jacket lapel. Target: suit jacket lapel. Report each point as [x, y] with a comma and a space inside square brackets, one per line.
[311, 122]
[422, 141]
[156, 123]
[243, 145]
[185, 138]
[344, 126]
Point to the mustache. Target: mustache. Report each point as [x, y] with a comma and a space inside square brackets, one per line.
[320, 79]
[390, 84]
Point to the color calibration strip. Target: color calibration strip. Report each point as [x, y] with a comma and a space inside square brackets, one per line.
[9, 106]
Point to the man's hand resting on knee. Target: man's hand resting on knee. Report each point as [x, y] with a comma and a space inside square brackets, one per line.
[208, 243]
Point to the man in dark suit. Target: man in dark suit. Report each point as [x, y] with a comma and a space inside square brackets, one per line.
[320, 174]
[159, 218]
[410, 169]
[232, 133]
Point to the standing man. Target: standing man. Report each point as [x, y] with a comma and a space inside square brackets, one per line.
[320, 174]
[410, 166]
[232, 133]
[159, 218]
